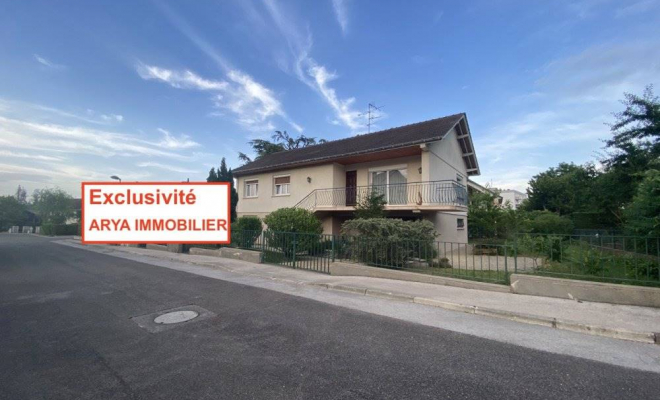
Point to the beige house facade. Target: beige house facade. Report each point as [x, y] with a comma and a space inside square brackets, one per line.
[421, 170]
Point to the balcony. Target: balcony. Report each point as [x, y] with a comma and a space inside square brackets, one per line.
[437, 195]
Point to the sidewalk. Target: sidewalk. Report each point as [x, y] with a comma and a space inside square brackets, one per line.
[616, 321]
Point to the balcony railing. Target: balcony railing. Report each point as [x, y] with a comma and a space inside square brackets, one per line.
[448, 193]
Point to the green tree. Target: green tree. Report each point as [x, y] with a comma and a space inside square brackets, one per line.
[564, 189]
[281, 141]
[224, 174]
[12, 212]
[371, 206]
[485, 216]
[21, 195]
[643, 213]
[54, 206]
[640, 122]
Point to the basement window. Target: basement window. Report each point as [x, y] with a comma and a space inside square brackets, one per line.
[252, 188]
[460, 224]
[282, 185]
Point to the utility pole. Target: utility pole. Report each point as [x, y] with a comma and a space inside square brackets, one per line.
[371, 114]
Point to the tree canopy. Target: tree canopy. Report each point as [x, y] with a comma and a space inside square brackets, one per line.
[54, 206]
[281, 141]
[224, 174]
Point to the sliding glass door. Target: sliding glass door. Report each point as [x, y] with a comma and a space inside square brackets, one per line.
[391, 184]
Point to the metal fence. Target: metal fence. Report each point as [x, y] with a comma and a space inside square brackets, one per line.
[615, 259]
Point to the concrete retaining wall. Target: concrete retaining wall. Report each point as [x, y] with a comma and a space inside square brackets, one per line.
[243, 255]
[587, 291]
[199, 251]
[229, 252]
[347, 269]
[157, 247]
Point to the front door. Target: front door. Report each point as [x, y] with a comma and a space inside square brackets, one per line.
[351, 187]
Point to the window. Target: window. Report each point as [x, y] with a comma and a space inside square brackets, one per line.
[460, 223]
[282, 185]
[459, 178]
[391, 182]
[251, 188]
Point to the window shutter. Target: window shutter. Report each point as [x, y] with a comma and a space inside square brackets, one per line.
[282, 180]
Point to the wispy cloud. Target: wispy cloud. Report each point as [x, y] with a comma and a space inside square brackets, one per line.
[250, 102]
[310, 72]
[34, 157]
[167, 167]
[171, 142]
[636, 8]
[47, 63]
[341, 13]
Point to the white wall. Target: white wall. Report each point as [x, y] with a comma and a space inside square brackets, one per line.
[445, 225]
[445, 159]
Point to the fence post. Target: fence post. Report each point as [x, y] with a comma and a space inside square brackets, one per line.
[506, 261]
[515, 254]
[333, 248]
[294, 250]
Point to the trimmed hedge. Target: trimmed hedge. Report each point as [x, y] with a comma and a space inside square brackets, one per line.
[60, 229]
[245, 231]
[285, 221]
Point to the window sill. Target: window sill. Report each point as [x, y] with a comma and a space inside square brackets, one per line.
[281, 195]
[250, 197]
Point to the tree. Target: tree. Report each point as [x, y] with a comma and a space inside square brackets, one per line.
[371, 206]
[12, 212]
[54, 206]
[640, 121]
[21, 195]
[224, 174]
[281, 142]
[564, 189]
[643, 213]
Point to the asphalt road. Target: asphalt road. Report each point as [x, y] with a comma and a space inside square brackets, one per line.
[66, 332]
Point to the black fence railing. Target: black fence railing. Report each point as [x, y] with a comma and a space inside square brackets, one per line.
[412, 193]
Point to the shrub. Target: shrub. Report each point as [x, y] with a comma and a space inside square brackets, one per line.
[296, 220]
[371, 206]
[547, 222]
[293, 227]
[60, 229]
[245, 231]
[389, 242]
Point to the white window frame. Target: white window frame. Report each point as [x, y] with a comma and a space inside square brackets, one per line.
[246, 190]
[387, 170]
[459, 178]
[286, 185]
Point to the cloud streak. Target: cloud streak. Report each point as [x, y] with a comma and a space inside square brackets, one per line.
[339, 6]
[308, 70]
[47, 63]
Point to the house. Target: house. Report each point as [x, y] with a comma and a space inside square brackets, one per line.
[474, 187]
[421, 169]
[512, 198]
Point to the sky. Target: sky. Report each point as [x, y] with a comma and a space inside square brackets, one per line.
[162, 90]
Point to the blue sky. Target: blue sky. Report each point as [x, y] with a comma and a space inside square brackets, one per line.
[156, 90]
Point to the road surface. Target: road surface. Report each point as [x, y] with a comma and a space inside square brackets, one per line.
[67, 331]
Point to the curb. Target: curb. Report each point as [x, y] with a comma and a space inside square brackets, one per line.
[642, 337]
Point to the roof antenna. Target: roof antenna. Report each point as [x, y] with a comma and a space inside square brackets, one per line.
[372, 114]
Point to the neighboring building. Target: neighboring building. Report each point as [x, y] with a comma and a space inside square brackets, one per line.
[512, 198]
[422, 170]
[474, 187]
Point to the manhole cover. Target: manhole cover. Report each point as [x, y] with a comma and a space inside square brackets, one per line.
[175, 317]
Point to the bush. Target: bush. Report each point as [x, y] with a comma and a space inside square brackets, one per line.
[389, 242]
[245, 231]
[60, 229]
[293, 227]
[371, 206]
[293, 220]
[547, 222]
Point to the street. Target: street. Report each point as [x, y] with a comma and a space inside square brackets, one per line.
[68, 330]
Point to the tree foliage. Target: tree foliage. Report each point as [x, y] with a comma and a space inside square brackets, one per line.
[643, 213]
[564, 189]
[281, 141]
[12, 212]
[54, 206]
[371, 206]
[224, 174]
[293, 220]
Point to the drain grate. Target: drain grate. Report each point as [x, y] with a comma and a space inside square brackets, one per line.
[168, 319]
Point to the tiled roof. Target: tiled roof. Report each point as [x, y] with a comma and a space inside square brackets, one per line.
[403, 136]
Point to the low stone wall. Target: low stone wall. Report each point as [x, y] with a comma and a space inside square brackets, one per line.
[348, 269]
[200, 251]
[157, 247]
[535, 285]
[229, 252]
